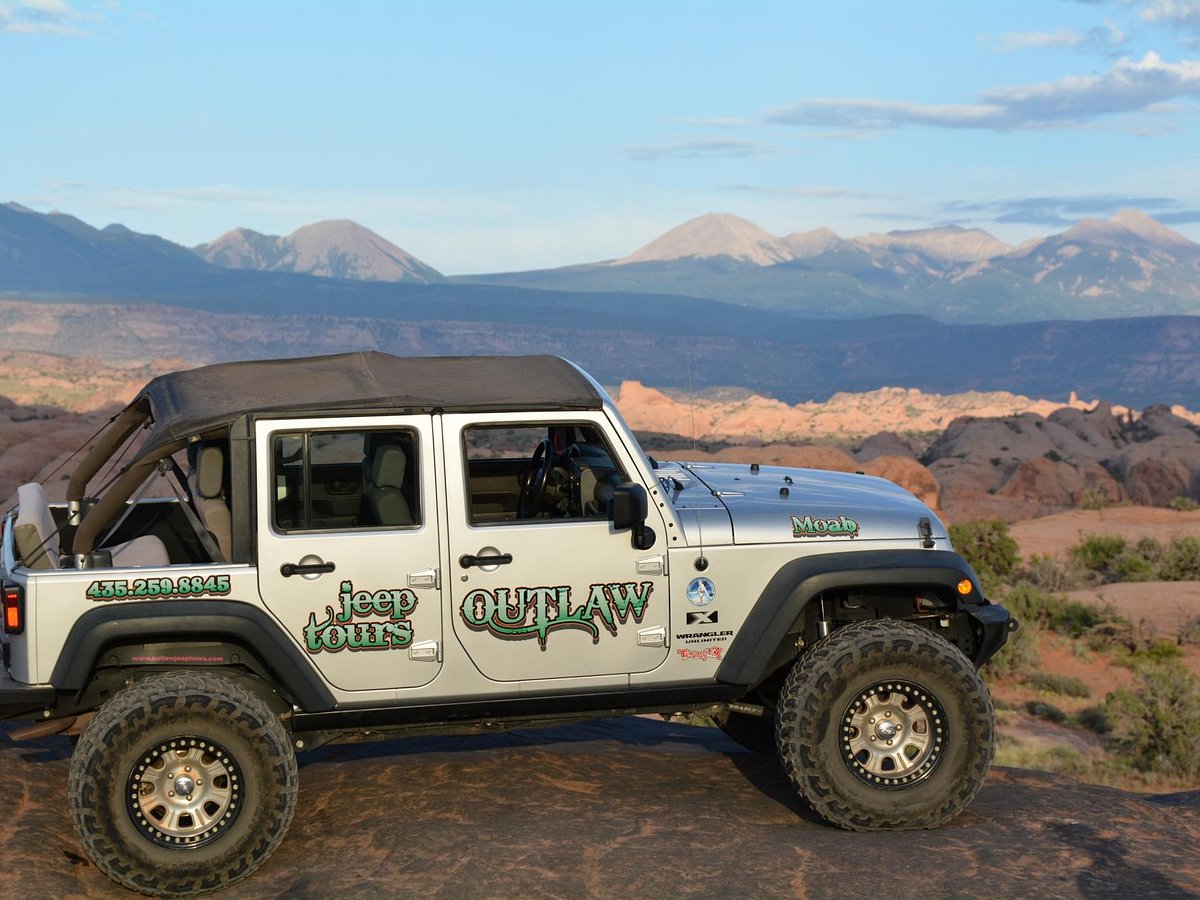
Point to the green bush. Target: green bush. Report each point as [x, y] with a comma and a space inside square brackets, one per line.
[1066, 685]
[1098, 553]
[1156, 724]
[1181, 561]
[1184, 504]
[1047, 711]
[989, 548]
[1094, 718]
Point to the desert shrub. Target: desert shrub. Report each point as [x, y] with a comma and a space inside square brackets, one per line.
[1043, 572]
[1094, 498]
[1098, 553]
[1156, 724]
[1053, 456]
[1109, 558]
[1189, 635]
[1181, 561]
[1149, 548]
[1066, 685]
[1047, 711]
[1131, 566]
[1184, 504]
[1158, 652]
[989, 548]
[1094, 718]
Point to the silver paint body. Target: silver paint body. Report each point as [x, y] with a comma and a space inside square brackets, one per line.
[735, 519]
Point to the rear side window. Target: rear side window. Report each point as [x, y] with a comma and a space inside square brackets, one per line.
[341, 480]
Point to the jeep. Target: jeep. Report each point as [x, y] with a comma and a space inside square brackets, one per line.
[292, 552]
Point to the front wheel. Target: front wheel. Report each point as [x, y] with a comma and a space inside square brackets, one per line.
[182, 783]
[885, 725]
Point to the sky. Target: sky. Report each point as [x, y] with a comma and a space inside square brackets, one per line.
[500, 136]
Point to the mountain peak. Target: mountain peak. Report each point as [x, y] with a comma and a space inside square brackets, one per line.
[334, 248]
[945, 244]
[1132, 229]
[712, 235]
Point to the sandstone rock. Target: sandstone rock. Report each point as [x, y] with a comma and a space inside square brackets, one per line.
[631, 807]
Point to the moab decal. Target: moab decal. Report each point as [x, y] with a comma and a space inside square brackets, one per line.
[386, 627]
[837, 527]
[522, 612]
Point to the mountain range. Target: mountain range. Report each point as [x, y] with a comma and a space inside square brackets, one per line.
[69, 288]
[1127, 265]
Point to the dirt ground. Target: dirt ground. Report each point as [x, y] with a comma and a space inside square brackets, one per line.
[631, 808]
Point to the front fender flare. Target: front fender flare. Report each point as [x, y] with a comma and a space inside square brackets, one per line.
[784, 598]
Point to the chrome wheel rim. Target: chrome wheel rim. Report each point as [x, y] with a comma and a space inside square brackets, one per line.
[893, 734]
[183, 792]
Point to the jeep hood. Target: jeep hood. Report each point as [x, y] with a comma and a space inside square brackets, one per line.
[772, 504]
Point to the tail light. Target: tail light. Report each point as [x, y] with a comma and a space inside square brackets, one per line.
[14, 608]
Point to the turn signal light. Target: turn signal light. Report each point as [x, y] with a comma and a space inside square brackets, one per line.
[14, 609]
[965, 587]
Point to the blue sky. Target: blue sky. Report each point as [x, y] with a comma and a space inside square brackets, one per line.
[498, 136]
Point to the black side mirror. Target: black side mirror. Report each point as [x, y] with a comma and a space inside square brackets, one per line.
[629, 509]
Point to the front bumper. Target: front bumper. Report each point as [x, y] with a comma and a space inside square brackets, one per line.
[23, 701]
[992, 625]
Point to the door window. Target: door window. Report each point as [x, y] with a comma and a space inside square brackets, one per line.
[341, 480]
[538, 471]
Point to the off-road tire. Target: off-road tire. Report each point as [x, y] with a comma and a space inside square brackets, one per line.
[152, 718]
[833, 687]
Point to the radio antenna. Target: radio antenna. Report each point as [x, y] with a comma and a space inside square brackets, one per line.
[691, 398]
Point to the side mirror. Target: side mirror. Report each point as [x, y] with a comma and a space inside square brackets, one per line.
[629, 509]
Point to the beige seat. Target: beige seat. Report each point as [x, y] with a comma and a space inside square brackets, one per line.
[384, 487]
[207, 483]
[36, 537]
[34, 530]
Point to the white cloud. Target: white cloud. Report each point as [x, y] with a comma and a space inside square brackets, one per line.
[1128, 86]
[1183, 14]
[815, 191]
[1102, 37]
[43, 17]
[700, 148]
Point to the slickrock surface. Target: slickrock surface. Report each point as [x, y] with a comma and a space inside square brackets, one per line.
[631, 808]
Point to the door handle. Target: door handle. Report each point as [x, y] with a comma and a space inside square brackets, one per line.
[499, 559]
[287, 570]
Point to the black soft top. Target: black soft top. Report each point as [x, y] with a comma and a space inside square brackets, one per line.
[205, 400]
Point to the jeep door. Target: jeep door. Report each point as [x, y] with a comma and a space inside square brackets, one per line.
[543, 586]
[348, 546]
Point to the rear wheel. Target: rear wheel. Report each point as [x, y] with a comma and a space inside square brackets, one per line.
[885, 725]
[182, 783]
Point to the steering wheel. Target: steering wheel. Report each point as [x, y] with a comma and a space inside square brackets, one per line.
[538, 477]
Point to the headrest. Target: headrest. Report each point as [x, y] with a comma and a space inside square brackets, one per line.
[387, 469]
[210, 471]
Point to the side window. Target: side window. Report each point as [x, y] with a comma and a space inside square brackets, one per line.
[338, 480]
[538, 471]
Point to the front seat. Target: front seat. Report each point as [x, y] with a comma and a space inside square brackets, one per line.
[384, 488]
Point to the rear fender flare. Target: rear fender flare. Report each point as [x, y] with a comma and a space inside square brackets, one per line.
[173, 622]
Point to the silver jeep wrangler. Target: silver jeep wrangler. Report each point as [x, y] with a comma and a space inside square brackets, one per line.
[293, 552]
